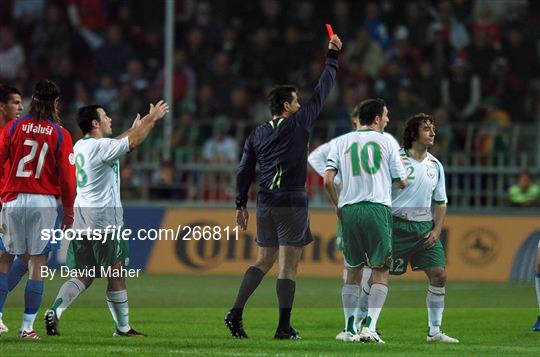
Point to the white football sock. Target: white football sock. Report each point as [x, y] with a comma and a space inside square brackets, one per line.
[118, 305]
[349, 298]
[377, 297]
[435, 307]
[28, 322]
[67, 294]
[364, 295]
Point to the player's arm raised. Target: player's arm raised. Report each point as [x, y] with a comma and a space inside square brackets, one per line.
[142, 127]
[308, 113]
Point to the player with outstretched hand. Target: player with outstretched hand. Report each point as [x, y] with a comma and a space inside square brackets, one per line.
[280, 148]
[41, 168]
[98, 207]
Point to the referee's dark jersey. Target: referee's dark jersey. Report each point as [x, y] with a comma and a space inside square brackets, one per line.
[281, 145]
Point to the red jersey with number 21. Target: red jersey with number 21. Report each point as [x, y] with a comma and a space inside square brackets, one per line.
[41, 161]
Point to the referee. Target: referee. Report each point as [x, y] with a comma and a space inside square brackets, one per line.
[280, 148]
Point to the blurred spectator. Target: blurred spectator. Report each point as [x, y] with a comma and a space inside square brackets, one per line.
[106, 91]
[491, 139]
[125, 106]
[426, 86]
[525, 192]
[111, 58]
[454, 30]
[407, 104]
[461, 91]
[342, 22]
[239, 104]
[364, 55]
[66, 80]
[134, 74]
[164, 183]
[132, 184]
[508, 89]
[89, 18]
[521, 55]
[186, 138]
[376, 27]
[445, 141]
[221, 147]
[11, 55]
[28, 11]
[197, 50]
[51, 38]
[417, 23]
[205, 105]
[257, 62]
[481, 54]
[486, 24]
[221, 78]
[438, 51]
[151, 53]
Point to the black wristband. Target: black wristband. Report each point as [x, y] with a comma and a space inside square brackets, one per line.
[332, 54]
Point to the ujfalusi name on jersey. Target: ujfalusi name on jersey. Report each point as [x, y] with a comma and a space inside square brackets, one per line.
[31, 128]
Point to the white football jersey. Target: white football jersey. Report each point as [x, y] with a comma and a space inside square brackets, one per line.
[318, 157]
[368, 162]
[98, 204]
[393, 140]
[426, 184]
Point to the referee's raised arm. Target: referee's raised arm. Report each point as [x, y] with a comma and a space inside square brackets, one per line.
[309, 112]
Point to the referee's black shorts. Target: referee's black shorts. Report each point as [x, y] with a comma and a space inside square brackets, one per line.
[282, 219]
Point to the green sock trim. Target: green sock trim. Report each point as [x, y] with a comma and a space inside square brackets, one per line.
[368, 322]
[56, 303]
[350, 325]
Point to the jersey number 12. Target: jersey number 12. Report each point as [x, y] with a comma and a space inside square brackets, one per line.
[41, 159]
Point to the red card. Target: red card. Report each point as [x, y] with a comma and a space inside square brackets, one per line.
[330, 31]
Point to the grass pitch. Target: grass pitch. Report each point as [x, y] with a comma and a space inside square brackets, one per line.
[184, 315]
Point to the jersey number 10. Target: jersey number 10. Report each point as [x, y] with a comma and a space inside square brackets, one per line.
[41, 159]
[363, 160]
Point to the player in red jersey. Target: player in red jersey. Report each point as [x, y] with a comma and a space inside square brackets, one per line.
[41, 168]
[11, 108]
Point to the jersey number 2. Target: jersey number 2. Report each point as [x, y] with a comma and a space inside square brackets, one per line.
[363, 160]
[41, 159]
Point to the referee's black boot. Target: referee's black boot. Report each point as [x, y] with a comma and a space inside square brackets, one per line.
[235, 325]
[287, 334]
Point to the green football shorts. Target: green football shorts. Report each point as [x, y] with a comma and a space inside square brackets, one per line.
[408, 239]
[339, 237]
[367, 235]
[88, 253]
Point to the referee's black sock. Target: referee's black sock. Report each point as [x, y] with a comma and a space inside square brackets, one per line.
[285, 291]
[252, 278]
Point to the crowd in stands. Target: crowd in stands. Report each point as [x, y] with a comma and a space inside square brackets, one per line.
[464, 61]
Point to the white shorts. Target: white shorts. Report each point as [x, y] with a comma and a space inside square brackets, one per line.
[23, 220]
